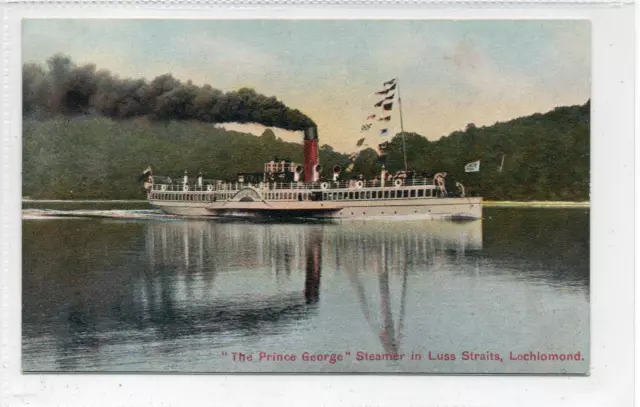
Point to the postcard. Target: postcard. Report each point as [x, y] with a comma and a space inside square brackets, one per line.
[306, 196]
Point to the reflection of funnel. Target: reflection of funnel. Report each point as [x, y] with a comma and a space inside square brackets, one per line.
[314, 265]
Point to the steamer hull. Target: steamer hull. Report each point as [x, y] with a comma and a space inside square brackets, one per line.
[433, 208]
[246, 209]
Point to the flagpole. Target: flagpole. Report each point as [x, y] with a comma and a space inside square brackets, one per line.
[404, 147]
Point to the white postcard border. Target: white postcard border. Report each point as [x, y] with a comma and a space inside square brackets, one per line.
[612, 281]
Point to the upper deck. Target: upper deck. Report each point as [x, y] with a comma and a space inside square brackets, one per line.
[351, 190]
[213, 186]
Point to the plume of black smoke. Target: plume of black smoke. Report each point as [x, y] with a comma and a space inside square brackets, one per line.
[67, 89]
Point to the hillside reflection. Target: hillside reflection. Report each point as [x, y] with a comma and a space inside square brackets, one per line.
[550, 245]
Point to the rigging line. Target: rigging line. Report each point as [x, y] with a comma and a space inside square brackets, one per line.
[387, 335]
[404, 147]
[403, 304]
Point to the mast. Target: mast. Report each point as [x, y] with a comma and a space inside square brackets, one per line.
[404, 147]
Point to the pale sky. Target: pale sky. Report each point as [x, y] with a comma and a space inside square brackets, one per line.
[451, 73]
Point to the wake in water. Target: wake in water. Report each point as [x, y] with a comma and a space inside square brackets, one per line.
[148, 214]
[94, 213]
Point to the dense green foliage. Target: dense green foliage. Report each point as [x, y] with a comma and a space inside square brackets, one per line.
[546, 156]
[92, 157]
[99, 158]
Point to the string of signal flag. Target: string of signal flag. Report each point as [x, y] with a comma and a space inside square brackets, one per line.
[385, 105]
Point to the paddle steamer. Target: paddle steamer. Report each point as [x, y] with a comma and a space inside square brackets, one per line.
[302, 191]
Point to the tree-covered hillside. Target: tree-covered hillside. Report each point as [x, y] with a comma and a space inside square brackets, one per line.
[99, 158]
[546, 156]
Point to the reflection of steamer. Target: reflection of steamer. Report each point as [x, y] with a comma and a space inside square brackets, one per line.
[388, 247]
[287, 189]
[205, 249]
[412, 237]
[208, 249]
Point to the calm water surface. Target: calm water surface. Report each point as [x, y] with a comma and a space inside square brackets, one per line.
[168, 295]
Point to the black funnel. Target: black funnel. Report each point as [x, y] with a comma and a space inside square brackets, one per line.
[311, 133]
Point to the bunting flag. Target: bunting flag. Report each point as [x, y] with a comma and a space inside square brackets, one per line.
[382, 148]
[386, 104]
[349, 167]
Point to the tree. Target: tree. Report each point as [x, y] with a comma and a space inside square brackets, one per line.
[268, 136]
[327, 148]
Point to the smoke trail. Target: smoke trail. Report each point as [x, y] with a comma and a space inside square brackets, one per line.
[67, 89]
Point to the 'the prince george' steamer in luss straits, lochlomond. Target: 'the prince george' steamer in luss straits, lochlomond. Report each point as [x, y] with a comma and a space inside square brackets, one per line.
[290, 190]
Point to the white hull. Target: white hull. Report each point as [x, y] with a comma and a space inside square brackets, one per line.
[432, 208]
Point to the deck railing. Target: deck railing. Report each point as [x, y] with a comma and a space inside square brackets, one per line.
[264, 186]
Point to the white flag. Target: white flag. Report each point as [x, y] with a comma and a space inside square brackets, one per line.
[472, 167]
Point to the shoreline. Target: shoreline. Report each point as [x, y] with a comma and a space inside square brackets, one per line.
[84, 200]
[499, 204]
[538, 204]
